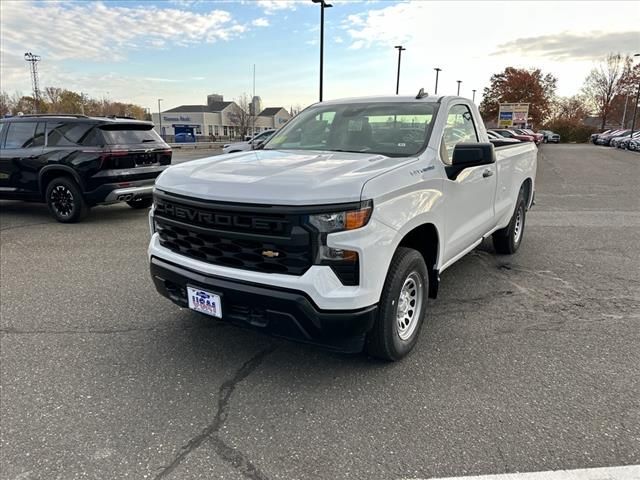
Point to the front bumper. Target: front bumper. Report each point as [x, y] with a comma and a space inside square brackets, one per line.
[281, 312]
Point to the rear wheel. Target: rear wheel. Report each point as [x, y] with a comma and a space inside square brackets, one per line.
[140, 203]
[65, 200]
[402, 307]
[507, 240]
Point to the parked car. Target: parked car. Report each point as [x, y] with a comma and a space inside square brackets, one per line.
[185, 137]
[624, 142]
[605, 139]
[634, 145]
[615, 141]
[73, 162]
[550, 137]
[537, 137]
[499, 141]
[504, 132]
[594, 136]
[248, 145]
[337, 230]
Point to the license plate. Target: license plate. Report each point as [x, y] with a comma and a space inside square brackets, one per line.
[204, 302]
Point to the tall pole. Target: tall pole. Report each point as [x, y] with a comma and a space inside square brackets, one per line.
[438, 70]
[635, 110]
[33, 61]
[473, 99]
[400, 49]
[459, 82]
[160, 118]
[253, 105]
[323, 5]
[624, 112]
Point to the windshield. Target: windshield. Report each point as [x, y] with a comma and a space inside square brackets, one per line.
[391, 129]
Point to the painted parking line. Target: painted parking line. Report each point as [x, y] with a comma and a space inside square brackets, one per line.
[629, 472]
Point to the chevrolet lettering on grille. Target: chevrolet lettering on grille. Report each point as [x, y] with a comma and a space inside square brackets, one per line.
[219, 219]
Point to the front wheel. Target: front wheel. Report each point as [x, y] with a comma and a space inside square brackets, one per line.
[65, 200]
[507, 240]
[402, 307]
[140, 203]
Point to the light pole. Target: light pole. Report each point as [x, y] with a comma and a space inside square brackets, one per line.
[400, 50]
[323, 5]
[635, 110]
[438, 70]
[459, 82]
[160, 118]
[473, 99]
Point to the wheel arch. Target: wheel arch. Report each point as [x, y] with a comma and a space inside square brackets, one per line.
[48, 173]
[527, 187]
[425, 238]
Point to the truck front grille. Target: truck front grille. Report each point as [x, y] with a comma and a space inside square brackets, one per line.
[237, 237]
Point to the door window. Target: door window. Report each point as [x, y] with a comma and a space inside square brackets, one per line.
[20, 135]
[459, 129]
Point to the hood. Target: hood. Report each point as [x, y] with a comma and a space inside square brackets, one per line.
[277, 177]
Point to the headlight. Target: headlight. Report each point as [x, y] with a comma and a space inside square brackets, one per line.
[340, 221]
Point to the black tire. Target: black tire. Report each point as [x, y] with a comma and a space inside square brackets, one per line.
[507, 240]
[65, 201]
[385, 340]
[140, 203]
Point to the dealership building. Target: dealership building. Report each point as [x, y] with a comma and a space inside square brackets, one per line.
[217, 119]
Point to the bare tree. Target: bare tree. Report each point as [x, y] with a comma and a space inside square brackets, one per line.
[602, 84]
[240, 117]
[5, 104]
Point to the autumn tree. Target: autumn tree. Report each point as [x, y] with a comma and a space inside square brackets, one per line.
[603, 84]
[517, 85]
[573, 109]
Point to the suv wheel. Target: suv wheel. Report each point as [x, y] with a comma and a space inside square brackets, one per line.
[507, 240]
[140, 203]
[65, 200]
[402, 307]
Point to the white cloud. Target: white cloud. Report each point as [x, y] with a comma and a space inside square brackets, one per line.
[260, 22]
[338, 39]
[270, 7]
[99, 31]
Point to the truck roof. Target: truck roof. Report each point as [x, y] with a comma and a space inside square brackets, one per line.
[74, 118]
[394, 99]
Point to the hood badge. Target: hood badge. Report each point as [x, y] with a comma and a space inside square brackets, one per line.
[270, 253]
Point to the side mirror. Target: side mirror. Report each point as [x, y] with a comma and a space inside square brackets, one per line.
[472, 154]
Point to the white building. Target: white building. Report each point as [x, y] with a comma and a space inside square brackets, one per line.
[217, 119]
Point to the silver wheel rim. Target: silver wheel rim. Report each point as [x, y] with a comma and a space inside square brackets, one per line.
[62, 200]
[409, 306]
[517, 229]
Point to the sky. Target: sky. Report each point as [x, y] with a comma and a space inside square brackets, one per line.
[182, 50]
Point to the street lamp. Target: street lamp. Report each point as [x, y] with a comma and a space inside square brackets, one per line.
[473, 99]
[438, 70]
[160, 117]
[635, 110]
[459, 82]
[400, 50]
[323, 5]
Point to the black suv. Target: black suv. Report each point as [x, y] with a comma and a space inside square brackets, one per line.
[73, 162]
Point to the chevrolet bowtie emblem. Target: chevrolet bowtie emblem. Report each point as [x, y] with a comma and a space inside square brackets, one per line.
[270, 253]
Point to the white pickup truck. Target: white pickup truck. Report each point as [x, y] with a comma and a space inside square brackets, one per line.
[337, 230]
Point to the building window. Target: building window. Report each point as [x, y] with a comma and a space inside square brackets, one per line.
[198, 130]
[225, 130]
[210, 129]
[216, 130]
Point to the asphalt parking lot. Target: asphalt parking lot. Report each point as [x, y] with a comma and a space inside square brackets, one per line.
[529, 362]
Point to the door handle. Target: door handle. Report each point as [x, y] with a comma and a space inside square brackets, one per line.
[487, 173]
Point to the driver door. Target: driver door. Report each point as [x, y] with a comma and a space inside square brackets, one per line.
[471, 193]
